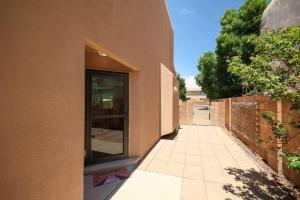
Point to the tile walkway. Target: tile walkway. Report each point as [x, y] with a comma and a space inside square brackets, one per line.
[202, 162]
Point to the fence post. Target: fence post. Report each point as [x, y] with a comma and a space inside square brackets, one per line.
[279, 141]
[229, 113]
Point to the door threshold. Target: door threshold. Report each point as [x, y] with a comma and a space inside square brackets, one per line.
[88, 170]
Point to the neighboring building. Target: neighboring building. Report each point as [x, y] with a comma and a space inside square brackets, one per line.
[82, 82]
[281, 13]
[195, 93]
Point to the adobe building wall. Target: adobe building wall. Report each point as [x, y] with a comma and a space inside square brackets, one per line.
[169, 102]
[281, 13]
[176, 123]
[42, 86]
[185, 113]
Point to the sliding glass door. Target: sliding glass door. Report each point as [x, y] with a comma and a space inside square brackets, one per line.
[106, 136]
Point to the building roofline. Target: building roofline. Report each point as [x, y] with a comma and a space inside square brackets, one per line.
[168, 12]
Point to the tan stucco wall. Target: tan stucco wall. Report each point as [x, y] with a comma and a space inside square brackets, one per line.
[42, 86]
[214, 113]
[176, 104]
[281, 13]
[166, 98]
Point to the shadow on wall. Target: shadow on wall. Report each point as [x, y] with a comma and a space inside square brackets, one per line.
[255, 185]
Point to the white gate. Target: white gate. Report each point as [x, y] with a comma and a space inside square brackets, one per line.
[201, 114]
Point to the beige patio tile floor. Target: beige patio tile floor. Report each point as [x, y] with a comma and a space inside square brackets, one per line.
[202, 162]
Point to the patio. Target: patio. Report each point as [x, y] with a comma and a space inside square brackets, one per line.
[201, 162]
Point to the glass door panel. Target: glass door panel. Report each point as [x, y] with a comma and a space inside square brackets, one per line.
[107, 102]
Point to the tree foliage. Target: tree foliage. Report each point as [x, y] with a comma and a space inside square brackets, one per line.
[246, 20]
[275, 71]
[239, 28]
[182, 88]
[207, 79]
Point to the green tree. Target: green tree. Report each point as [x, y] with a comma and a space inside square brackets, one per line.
[275, 71]
[275, 68]
[246, 20]
[228, 45]
[182, 88]
[206, 77]
[239, 28]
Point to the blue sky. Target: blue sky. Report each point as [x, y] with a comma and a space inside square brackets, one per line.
[196, 25]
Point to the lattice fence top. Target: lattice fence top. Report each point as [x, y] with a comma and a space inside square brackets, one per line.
[245, 119]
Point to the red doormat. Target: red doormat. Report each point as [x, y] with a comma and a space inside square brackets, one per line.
[110, 176]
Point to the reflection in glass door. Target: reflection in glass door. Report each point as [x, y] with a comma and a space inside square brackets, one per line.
[106, 135]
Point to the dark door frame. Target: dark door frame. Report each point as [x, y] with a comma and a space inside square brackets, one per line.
[88, 117]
